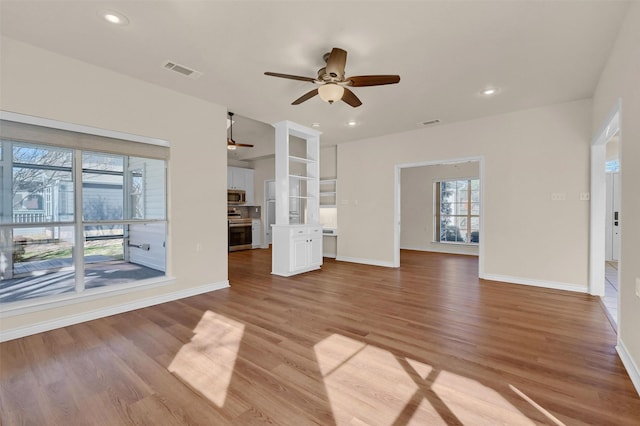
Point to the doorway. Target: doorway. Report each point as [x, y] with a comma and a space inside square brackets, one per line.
[605, 226]
[398, 217]
[612, 228]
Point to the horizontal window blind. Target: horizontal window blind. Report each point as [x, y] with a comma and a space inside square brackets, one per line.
[30, 133]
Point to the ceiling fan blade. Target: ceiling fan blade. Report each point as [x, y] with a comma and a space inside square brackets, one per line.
[351, 98]
[291, 77]
[234, 143]
[305, 97]
[373, 80]
[336, 62]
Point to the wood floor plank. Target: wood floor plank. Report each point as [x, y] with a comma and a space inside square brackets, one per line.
[426, 343]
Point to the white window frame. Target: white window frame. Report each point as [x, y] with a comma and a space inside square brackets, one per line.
[47, 302]
[437, 215]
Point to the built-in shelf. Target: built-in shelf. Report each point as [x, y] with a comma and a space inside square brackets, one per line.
[297, 234]
[328, 193]
[301, 160]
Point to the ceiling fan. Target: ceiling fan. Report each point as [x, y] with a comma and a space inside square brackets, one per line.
[231, 144]
[331, 81]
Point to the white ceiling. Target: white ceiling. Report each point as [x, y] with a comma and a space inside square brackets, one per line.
[536, 52]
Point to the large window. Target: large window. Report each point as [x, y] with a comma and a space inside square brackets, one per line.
[457, 211]
[74, 219]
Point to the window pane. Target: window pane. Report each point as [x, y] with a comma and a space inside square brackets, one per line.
[449, 229]
[42, 155]
[41, 262]
[95, 161]
[42, 187]
[117, 254]
[147, 184]
[102, 187]
[475, 208]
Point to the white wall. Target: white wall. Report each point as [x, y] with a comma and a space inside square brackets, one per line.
[44, 84]
[528, 155]
[620, 80]
[416, 209]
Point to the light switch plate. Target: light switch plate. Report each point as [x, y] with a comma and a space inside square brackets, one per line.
[558, 196]
[638, 287]
[584, 196]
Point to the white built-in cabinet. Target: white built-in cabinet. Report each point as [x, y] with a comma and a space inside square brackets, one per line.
[256, 233]
[296, 249]
[240, 178]
[297, 233]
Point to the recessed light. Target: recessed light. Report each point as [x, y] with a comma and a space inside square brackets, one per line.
[352, 123]
[489, 91]
[114, 17]
[315, 125]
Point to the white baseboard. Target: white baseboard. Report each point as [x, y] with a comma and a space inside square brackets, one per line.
[18, 332]
[365, 261]
[457, 249]
[629, 365]
[536, 283]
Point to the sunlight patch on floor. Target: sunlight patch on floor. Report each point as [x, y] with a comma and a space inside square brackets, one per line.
[412, 392]
[206, 363]
[537, 406]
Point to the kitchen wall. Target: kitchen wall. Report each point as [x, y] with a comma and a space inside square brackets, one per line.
[40, 83]
[528, 156]
[416, 208]
[620, 80]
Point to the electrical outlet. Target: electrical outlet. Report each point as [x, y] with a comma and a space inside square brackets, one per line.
[558, 196]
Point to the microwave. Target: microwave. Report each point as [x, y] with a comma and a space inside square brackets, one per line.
[236, 196]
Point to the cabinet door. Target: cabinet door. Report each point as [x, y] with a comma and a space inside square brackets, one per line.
[315, 246]
[299, 249]
[247, 181]
[255, 233]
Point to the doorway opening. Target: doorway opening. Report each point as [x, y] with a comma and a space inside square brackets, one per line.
[420, 210]
[605, 226]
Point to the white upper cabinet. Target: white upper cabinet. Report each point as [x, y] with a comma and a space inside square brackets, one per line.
[239, 178]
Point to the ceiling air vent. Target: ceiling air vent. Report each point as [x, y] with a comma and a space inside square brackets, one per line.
[428, 123]
[191, 73]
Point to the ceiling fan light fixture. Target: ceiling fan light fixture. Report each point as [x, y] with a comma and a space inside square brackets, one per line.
[489, 91]
[231, 147]
[330, 92]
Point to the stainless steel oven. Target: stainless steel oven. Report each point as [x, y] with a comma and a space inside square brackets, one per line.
[239, 234]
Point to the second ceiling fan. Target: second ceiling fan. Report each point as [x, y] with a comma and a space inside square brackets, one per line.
[332, 83]
[231, 144]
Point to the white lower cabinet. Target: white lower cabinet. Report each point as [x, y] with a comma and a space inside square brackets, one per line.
[256, 233]
[297, 249]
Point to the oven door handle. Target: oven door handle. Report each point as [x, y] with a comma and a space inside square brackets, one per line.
[239, 225]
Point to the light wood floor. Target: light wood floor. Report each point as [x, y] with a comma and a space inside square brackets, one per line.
[426, 344]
